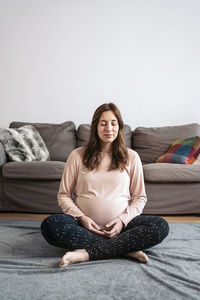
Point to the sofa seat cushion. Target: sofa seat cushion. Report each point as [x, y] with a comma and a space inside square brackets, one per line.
[43, 170]
[60, 139]
[165, 172]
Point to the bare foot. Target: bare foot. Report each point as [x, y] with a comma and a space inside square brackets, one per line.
[139, 255]
[73, 257]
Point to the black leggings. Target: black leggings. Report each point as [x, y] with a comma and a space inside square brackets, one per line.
[141, 233]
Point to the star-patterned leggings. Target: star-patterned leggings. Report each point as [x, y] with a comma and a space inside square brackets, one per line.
[141, 233]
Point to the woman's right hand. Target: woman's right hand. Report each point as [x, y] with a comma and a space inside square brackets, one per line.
[89, 224]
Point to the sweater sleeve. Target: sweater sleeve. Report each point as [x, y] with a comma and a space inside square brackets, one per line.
[67, 185]
[137, 190]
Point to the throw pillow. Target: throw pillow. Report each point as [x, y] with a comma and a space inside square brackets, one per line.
[197, 161]
[60, 139]
[182, 151]
[24, 144]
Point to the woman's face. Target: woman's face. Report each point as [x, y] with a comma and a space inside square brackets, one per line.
[107, 127]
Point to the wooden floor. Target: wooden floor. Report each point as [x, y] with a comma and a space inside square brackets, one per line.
[25, 216]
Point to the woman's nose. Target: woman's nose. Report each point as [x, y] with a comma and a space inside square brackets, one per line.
[108, 127]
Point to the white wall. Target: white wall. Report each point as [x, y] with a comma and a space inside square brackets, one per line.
[60, 59]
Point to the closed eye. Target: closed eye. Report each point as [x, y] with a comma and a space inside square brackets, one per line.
[113, 123]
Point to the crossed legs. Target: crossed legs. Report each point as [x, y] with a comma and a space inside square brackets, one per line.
[141, 233]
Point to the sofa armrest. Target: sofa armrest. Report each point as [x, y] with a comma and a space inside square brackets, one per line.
[3, 157]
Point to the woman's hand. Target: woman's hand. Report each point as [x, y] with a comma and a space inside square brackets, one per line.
[90, 225]
[116, 226]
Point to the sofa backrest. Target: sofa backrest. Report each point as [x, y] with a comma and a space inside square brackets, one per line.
[60, 139]
[83, 133]
[152, 142]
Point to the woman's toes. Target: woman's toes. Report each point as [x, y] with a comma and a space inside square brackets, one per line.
[64, 264]
[64, 261]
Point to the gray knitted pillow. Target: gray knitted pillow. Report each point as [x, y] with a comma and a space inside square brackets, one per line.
[24, 144]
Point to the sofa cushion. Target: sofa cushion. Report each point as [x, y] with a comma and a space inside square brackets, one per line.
[44, 170]
[152, 142]
[182, 151]
[24, 144]
[83, 133]
[164, 172]
[60, 139]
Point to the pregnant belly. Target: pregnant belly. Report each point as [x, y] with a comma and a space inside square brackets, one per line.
[102, 211]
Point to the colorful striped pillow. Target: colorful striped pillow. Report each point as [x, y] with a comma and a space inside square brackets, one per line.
[182, 151]
[197, 161]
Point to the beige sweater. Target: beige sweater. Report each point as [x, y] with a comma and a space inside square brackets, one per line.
[100, 194]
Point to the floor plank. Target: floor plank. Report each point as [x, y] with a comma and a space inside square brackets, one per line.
[26, 216]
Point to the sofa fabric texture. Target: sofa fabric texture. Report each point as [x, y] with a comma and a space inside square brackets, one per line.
[166, 172]
[33, 186]
[172, 198]
[51, 170]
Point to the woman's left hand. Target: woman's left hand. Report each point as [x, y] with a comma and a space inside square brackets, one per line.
[116, 226]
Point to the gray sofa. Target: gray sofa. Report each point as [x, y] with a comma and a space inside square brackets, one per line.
[33, 186]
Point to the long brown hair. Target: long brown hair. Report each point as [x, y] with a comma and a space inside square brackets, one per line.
[92, 153]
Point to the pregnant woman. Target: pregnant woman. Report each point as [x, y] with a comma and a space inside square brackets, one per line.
[102, 196]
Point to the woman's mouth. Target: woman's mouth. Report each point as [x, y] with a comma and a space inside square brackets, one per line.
[108, 135]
